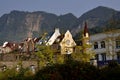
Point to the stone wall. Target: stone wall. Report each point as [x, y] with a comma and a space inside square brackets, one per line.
[13, 64]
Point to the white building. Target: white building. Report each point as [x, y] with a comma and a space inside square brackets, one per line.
[62, 42]
[53, 37]
[106, 46]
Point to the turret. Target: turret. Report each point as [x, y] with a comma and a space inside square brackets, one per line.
[86, 34]
[86, 37]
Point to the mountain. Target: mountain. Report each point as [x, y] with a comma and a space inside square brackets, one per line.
[17, 25]
[97, 16]
[98, 20]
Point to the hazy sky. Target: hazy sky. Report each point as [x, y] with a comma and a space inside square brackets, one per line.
[77, 7]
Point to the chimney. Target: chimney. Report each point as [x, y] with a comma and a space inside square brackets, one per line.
[57, 30]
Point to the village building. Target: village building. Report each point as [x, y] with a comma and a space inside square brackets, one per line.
[8, 47]
[106, 46]
[67, 44]
[86, 39]
[53, 37]
[64, 43]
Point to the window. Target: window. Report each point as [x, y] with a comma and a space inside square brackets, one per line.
[95, 45]
[118, 44]
[103, 56]
[118, 55]
[97, 57]
[67, 42]
[102, 44]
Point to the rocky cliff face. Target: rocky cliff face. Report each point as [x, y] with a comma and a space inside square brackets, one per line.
[17, 25]
[33, 23]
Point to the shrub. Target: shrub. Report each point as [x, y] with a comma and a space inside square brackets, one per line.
[110, 72]
[71, 70]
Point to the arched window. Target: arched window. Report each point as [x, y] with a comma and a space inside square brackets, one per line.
[102, 44]
[96, 45]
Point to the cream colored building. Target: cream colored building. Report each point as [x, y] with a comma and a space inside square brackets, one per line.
[67, 44]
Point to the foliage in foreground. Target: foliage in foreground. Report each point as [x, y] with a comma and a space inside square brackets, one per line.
[70, 70]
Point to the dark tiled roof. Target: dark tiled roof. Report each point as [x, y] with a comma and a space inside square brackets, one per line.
[59, 39]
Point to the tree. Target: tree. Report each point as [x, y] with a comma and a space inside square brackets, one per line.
[45, 55]
[84, 54]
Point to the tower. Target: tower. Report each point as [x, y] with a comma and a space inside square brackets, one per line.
[86, 37]
[86, 46]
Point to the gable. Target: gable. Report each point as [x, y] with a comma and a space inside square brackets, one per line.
[68, 40]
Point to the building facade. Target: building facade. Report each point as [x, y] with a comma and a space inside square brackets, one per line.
[67, 44]
[106, 46]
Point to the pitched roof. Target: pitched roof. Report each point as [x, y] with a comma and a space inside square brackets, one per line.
[53, 37]
[59, 39]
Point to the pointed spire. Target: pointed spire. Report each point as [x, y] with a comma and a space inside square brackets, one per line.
[86, 30]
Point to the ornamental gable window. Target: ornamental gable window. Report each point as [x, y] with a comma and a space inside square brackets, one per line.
[102, 44]
[96, 45]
